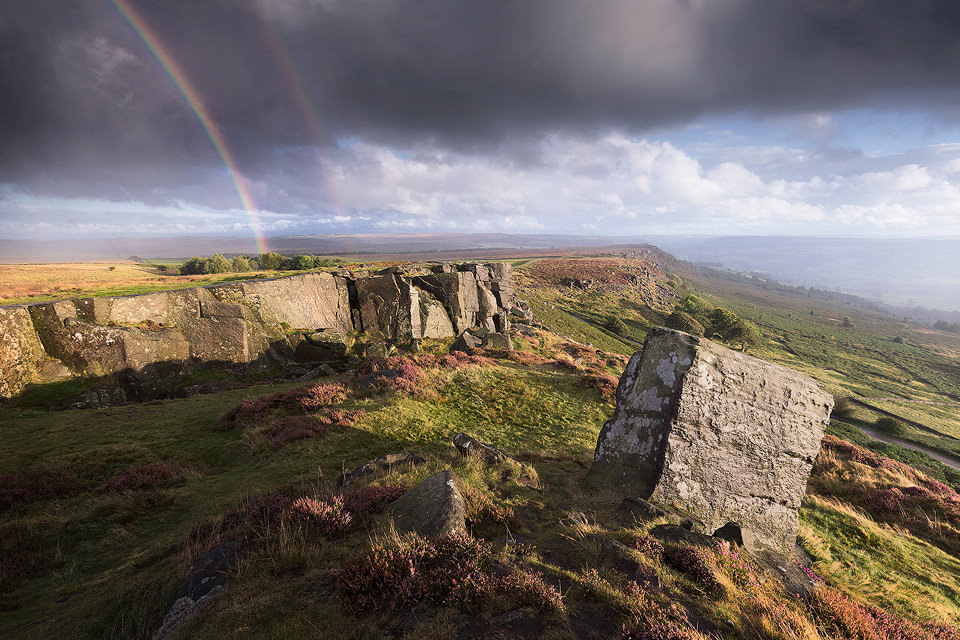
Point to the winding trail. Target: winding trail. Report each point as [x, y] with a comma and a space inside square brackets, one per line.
[882, 437]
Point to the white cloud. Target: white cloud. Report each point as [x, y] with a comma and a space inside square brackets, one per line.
[611, 184]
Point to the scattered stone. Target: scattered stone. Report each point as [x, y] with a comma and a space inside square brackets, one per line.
[725, 437]
[378, 350]
[386, 374]
[466, 341]
[323, 370]
[203, 388]
[205, 581]
[377, 465]
[679, 534]
[434, 507]
[497, 340]
[469, 446]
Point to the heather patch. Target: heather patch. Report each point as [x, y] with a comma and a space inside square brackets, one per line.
[147, 476]
[453, 569]
[27, 486]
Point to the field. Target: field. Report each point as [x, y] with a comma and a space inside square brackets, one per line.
[101, 511]
[26, 283]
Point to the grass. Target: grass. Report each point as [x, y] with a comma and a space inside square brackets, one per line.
[101, 511]
[31, 283]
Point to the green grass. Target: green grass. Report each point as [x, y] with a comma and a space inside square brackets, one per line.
[106, 565]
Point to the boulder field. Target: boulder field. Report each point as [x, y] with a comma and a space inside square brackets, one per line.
[145, 344]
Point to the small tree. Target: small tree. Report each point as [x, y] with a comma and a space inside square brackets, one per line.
[682, 321]
[271, 261]
[300, 262]
[240, 264]
[193, 267]
[846, 322]
[890, 425]
[843, 408]
[218, 264]
[618, 326]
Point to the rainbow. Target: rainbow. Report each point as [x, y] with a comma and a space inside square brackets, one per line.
[192, 96]
[294, 81]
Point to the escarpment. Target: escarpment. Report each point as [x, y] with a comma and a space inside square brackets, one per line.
[145, 344]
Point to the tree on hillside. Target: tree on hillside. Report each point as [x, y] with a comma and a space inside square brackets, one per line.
[300, 262]
[240, 264]
[270, 261]
[846, 322]
[732, 329]
[682, 321]
[218, 264]
[616, 325]
[193, 267]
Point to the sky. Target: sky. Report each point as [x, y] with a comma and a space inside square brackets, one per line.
[615, 117]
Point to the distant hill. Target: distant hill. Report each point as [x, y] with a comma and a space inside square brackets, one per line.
[911, 272]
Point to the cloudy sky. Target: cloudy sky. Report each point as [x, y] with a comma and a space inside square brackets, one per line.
[805, 117]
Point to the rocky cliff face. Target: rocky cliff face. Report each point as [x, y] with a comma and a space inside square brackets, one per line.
[725, 437]
[147, 342]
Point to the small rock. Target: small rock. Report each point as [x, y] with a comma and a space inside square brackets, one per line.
[468, 445]
[378, 350]
[386, 374]
[205, 581]
[497, 340]
[383, 463]
[466, 341]
[434, 507]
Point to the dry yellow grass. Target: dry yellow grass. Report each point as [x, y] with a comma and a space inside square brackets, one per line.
[23, 283]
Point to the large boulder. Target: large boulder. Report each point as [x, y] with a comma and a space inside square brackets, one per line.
[435, 507]
[20, 350]
[725, 437]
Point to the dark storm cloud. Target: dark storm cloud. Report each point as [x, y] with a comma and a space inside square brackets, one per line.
[83, 99]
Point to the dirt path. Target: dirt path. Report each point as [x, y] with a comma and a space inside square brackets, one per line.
[882, 437]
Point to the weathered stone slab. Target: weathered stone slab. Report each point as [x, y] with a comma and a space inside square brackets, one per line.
[20, 350]
[458, 293]
[136, 309]
[434, 507]
[436, 322]
[378, 465]
[308, 301]
[389, 307]
[728, 438]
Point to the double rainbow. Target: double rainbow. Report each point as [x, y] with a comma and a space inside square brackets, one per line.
[192, 96]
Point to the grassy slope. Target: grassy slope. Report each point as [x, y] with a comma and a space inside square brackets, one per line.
[107, 563]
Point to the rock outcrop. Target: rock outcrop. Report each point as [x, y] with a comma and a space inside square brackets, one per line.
[435, 507]
[725, 437]
[145, 343]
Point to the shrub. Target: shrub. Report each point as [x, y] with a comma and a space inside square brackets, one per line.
[683, 321]
[603, 382]
[890, 425]
[617, 326]
[445, 570]
[328, 515]
[25, 486]
[696, 563]
[372, 499]
[146, 476]
[843, 407]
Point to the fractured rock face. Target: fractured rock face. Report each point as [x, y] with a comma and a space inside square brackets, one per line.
[726, 437]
